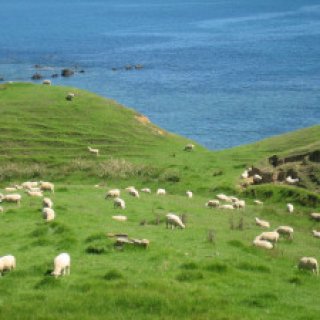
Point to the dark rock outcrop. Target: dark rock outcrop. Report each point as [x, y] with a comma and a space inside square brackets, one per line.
[36, 76]
[67, 72]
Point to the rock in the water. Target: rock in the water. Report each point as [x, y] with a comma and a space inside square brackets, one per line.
[67, 72]
[36, 76]
[138, 66]
[55, 75]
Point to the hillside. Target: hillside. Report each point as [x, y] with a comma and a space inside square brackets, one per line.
[209, 270]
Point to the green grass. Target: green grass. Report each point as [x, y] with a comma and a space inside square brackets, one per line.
[184, 274]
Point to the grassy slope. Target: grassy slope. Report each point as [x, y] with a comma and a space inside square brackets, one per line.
[181, 275]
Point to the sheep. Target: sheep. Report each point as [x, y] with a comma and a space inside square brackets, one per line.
[62, 264]
[290, 180]
[189, 147]
[146, 190]
[258, 242]
[258, 202]
[119, 203]
[234, 199]
[315, 216]
[47, 203]
[213, 203]
[161, 192]
[29, 184]
[189, 194]
[35, 193]
[174, 221]
[70, 96]
[316, 233]
[47, 186]
[120, 218]
[7, 263]
[239, 204]
[48, 214]
[47, 82]
[15, 197]
[245, 174]
[286, 231]
[223, 197]
[10, 189]
[257, 178]
[94, 151]
[134, 193]
[272, 236]
[113, 193]
[34, 189]
[130, 188]
[290, 207]
[309, 263]
[262, 223]
[226, 206]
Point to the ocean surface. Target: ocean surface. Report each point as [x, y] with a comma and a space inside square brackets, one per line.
[221, 72]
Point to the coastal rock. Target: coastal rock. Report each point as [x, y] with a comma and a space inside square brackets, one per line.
[36, 76]
[55, 75]
[138, 66]
[67, 72]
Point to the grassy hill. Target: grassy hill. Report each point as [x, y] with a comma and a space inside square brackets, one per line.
[210, 270]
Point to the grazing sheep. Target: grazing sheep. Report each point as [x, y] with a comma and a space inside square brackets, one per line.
[35, 193]
[119, 203]
[245, 174]
[316, 233]
[286, 231]
[290, 207]
[47, 203]
[174, 221]
[272, 236]
[62, 264]
[70, 96]
[29, 184]
[189, 194]
[120, 218]
[161, 192]
[113, 193]
[258, 202]
[226, 206]
[134, 193]
[223, 197]
[309, 263]
[257, 242]
[240, 204]
[10, 189]
[257, 178]
[315, 216]
[34, 189]
[234, 199]
[262, 223]
[47, 82]
[189, 147]
[47, 186]
[146, 190]
[7, 263]
[290, 180]
[48, 214]
[130, 188]
[213, 203]
[11, 198]
[94, 151]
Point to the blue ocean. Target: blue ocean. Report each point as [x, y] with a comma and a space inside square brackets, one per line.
[221, 72]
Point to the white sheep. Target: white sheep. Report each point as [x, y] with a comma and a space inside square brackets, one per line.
[240, 204]
[70, 96]
[316, 233]
[234, 199]
[119, 203]
[120, 218]
[47, 203]
[161, 192]
[48, 214]
[189, 194]
[47, 82]
[309, 263]
[94, 151]
[174, 221]
[262, 223]
[15, 197]
[146, 190]
[7, 263]
[62, 264]
[113, 193]
[272, 236]
[257, 178]
[286, 231]
[47, 186]
[226, 206]
[223, 197]
[35, 193]
[245, 174]
[130, 188]
[36, 189]
[10, 189]
[262, 243]
[315, 216]
[29, 184]
[189, 147]
[290, 207]
[258, 202]
[213, 203]
[290, 180]
[134, 193]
